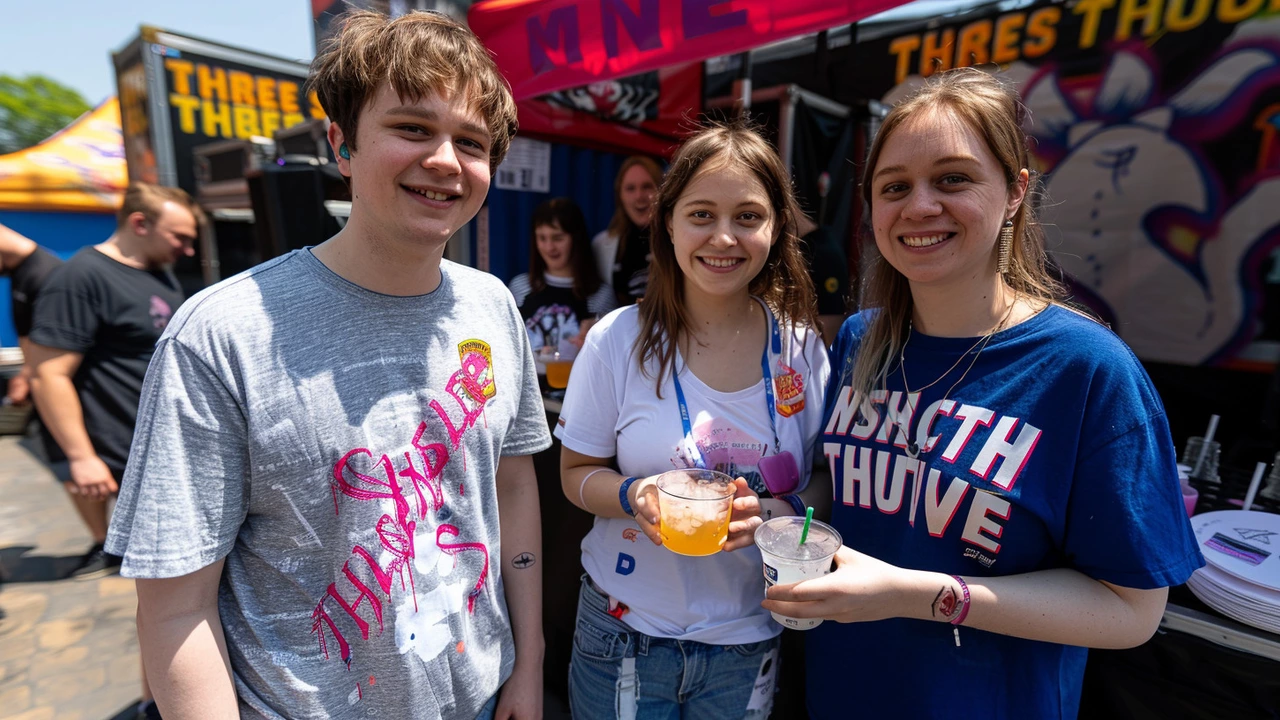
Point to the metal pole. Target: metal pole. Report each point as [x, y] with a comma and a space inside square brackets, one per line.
[742, 85]
[787, 124]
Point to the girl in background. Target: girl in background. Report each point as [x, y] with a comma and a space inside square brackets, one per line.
[622, 249]
[561, 295]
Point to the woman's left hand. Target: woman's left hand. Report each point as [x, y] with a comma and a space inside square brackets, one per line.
[745, 517]
[860, 589]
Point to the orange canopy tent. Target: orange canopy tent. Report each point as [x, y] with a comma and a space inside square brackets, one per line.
[80, 169]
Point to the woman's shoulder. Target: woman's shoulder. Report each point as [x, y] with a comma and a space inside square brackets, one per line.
[520, 287]
[1075, 335]
[602, 237]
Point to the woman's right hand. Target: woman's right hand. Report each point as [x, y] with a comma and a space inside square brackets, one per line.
[643, 496]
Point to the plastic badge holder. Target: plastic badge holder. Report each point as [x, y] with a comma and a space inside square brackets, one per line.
[781, 473]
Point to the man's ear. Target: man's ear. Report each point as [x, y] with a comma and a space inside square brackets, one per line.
[341, 151]
[137, 223]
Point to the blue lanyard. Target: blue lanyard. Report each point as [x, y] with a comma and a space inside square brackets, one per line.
[691, 444]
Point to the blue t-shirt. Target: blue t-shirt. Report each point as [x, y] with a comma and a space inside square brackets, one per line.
[1054, 451]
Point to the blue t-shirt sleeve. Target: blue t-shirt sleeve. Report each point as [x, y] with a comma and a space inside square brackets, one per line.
[1126, 522]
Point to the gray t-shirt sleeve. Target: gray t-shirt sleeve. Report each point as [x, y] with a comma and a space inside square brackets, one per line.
[528, 433]
[185, 492]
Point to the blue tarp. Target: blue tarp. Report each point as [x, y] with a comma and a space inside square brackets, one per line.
[62, 233]
[584, 175]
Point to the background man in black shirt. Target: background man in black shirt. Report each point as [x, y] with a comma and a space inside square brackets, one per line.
[26, 264]
[96, 324]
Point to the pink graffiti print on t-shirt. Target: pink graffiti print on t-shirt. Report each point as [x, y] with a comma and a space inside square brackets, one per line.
[160, 312]
[455, 548]
[381, 481]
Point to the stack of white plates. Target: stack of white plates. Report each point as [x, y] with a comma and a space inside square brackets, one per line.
[1242, 577]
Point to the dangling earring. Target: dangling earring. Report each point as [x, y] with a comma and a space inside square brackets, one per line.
[343, 152]
[1006, 247]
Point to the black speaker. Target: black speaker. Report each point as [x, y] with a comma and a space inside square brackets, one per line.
[288, 205]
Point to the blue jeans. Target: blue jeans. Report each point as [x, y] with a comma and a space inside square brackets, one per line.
[486, 712]
[617, 672]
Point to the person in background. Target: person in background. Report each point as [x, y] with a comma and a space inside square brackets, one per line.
[27, 265]
[331, 507]
[829, 269]
[97, 321]
[721, 368]
[1005, 480]
[622, 249]
[95, 329]
[561, 295]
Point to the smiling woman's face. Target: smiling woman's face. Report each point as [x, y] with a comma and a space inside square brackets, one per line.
[938, 200]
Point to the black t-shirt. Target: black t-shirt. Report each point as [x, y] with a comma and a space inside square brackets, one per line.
[555, 313]
[24, 285]
[829, 269]
[113, 314]
[631, 268]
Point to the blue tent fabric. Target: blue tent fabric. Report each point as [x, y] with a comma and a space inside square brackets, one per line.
[62, 233]
[585, 175]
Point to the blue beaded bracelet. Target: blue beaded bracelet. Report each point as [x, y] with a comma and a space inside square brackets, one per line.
[622, 496]
[795, 502]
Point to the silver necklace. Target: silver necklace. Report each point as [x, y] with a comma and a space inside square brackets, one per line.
[913, 447]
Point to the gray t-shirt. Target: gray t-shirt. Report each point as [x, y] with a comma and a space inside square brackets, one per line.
[339, 448]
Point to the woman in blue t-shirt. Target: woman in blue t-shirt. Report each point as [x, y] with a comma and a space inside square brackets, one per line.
[562, 294]
[1005, 481]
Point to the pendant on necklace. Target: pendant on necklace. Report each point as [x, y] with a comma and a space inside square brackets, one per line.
[913, 449]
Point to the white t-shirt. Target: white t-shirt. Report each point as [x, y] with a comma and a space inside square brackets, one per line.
[611, 409]
[605, 247]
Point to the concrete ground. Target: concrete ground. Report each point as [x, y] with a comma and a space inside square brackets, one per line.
[68, 649]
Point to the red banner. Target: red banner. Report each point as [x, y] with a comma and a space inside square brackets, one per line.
[548, 45]
[648, 113]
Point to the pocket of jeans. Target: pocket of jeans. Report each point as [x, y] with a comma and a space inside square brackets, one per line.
[749, 649]
[598, 643]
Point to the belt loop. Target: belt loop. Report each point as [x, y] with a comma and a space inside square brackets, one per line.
[628, 688]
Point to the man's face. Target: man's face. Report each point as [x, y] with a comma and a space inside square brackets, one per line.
[171, 237]
[420, 170]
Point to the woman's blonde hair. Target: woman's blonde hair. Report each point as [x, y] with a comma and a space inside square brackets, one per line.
[783, 283]
[993, 112]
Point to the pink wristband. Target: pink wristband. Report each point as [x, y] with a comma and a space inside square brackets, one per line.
[964, 607]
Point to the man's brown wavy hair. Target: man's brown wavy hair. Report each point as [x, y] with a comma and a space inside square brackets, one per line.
[419, 54]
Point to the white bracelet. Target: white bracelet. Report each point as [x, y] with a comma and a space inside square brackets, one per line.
[582, 501]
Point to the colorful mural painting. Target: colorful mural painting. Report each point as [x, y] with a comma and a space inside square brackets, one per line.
[1155, 127]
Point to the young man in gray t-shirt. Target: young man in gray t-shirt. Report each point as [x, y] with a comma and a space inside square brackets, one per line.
[330, 493]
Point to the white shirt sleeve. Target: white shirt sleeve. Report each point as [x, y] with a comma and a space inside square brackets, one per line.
[520, 288]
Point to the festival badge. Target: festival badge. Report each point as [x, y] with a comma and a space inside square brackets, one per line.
[788, 389]
[477, 369]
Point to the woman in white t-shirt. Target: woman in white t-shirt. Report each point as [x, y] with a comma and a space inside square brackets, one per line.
[723, 338]
[561, 295]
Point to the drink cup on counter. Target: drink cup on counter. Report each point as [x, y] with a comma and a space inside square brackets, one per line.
[695, 507]
[787, 561]
[559, 363]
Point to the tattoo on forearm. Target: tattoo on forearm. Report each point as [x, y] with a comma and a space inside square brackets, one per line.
[523, 560]
[945, 603]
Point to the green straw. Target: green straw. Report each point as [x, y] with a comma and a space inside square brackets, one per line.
[804, 531]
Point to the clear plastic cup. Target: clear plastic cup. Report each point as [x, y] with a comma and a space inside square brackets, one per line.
[695, 507]
[787, 561]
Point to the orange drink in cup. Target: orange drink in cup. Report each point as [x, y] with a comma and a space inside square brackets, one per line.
[694, 506]
[558, 361]
[558, 372]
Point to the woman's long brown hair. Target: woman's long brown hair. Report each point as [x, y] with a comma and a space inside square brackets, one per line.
[784, 283]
